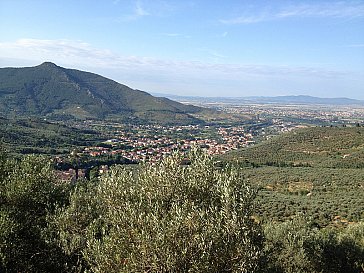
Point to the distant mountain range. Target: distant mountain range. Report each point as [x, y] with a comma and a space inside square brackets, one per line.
[307, 100]
[54, 92]
[273, 100]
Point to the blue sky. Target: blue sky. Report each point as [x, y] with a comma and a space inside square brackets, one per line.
[197, 47]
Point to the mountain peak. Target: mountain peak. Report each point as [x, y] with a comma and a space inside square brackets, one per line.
[49, 64]
[52, 91]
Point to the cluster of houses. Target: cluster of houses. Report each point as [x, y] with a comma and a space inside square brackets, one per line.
[141, 147]
[152, 143]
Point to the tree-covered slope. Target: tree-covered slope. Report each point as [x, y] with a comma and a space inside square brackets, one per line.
[341, 147]
[316, 171]
[50, 90]
[22, 136]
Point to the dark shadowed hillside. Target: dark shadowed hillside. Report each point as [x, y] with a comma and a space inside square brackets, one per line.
[56, 92]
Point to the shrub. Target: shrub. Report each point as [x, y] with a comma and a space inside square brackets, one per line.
[342, 249]
[289, 246]
[28, 193]
[298, 246]
[166, 218]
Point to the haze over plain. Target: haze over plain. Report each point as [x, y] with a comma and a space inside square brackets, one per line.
[202, 48]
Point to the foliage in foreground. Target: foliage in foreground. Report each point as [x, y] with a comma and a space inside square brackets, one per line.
[298, 246]
[160, 218]
[165, 218]
[28, 193]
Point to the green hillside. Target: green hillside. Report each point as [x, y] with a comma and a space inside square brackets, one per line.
[334, 147]
[315, 171]
[56, 92]
[24, 136]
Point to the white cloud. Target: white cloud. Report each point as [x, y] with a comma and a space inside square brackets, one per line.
[333, 9]
[139, 10]
[81, 54]
[176, 35]
[246, 19]
[340, 9]
[180, 77]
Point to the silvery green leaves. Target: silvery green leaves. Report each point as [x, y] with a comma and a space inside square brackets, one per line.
[170, 217]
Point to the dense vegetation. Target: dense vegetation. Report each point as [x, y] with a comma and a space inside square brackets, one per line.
[34, 136]
[326, 147]
[316, 171]
[157, 218]
[51, 91]
[29, 194]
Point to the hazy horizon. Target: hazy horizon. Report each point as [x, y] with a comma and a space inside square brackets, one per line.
[196, 48]
[252, 96]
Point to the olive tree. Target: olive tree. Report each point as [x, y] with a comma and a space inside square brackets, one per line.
[29, 192]
[298, 246]
[165, 217]
[290, 246]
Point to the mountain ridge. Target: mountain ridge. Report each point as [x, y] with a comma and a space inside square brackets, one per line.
[291, 99]
[52, 91]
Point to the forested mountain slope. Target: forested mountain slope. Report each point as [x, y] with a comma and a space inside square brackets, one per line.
[56, 92]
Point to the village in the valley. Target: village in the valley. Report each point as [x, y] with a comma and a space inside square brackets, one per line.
[150, 143]
[143, 147]
[133, 144]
